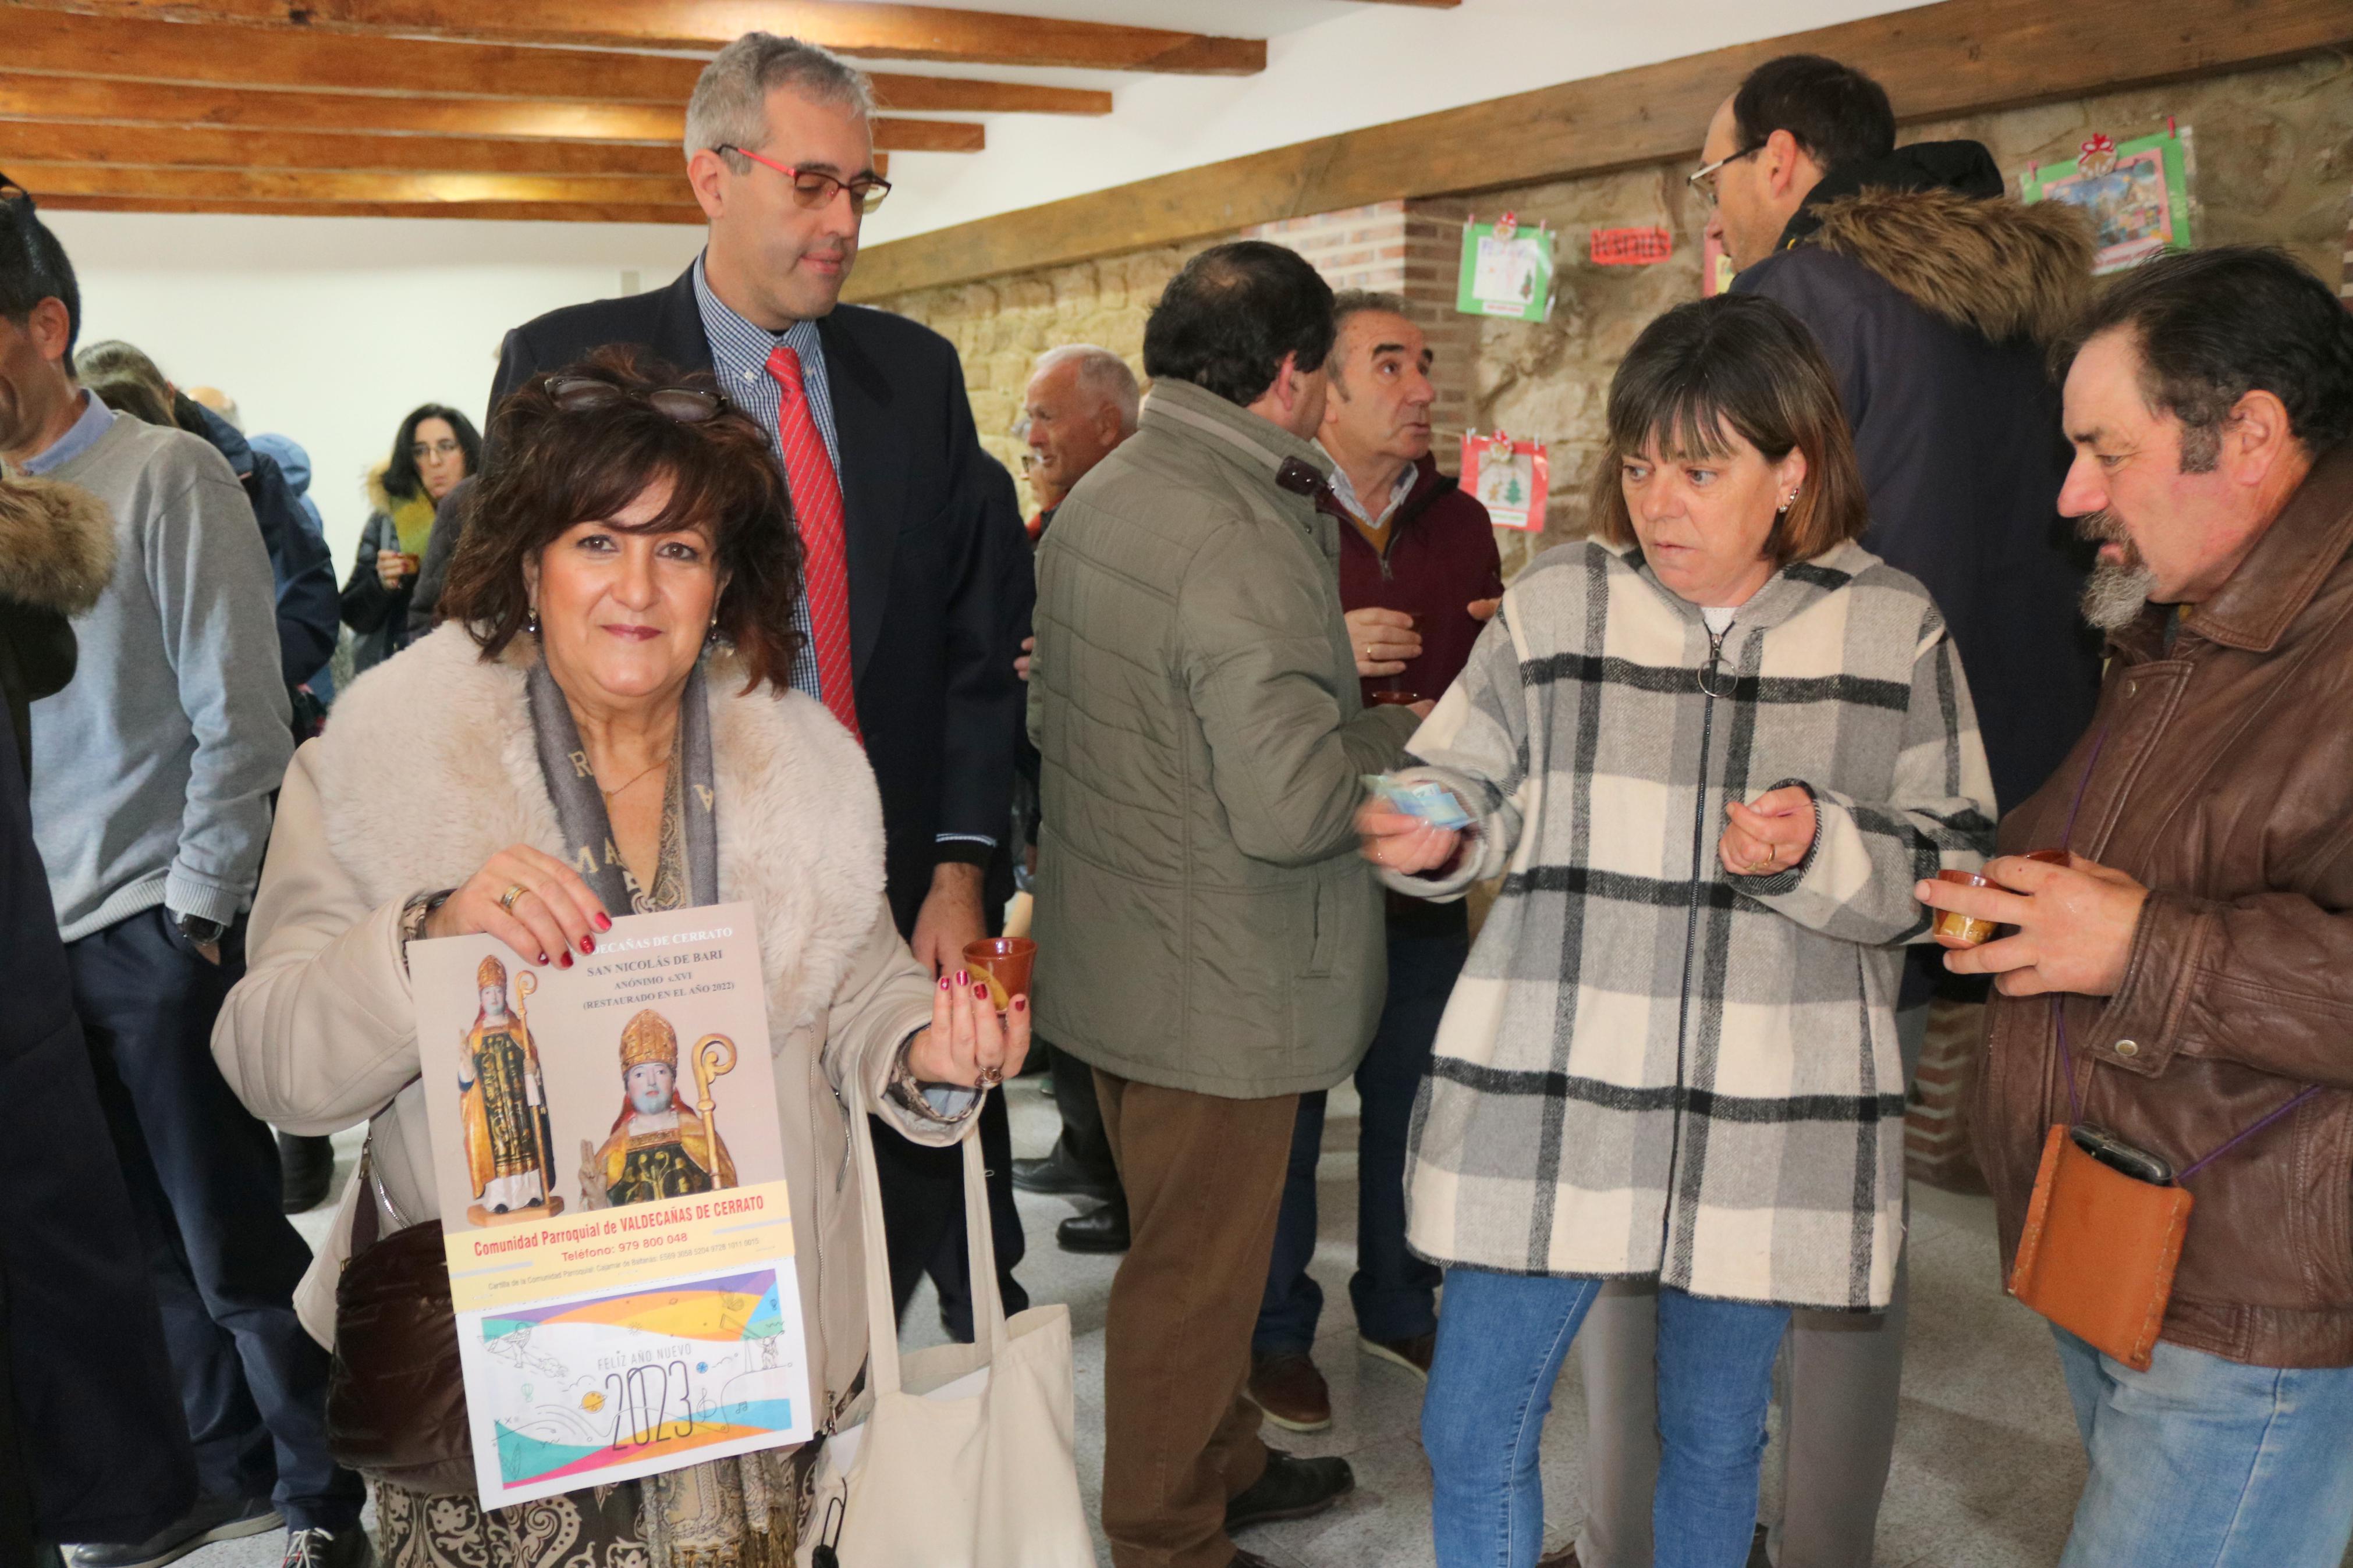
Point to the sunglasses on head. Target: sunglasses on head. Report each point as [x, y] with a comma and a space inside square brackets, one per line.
[687, 405]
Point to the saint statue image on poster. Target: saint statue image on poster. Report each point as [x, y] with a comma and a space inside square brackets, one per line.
[503, 1107]
[660, 1146]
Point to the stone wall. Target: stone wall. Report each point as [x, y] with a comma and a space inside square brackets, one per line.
[2274, 152]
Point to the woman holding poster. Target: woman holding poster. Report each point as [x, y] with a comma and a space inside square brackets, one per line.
[605, 724]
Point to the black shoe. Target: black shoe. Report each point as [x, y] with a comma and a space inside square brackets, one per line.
[1058, 1173]
[307, 1169]
[1101, 1229]
[213, 1518]
[1290, 1488]
[314, 1548]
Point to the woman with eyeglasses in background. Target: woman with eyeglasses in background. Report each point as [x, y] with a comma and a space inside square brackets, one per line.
[436, 447]
[623, 593]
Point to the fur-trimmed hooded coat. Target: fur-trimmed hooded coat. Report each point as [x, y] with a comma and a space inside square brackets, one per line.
[1935, 298]
[430, 768]
[90, 1412]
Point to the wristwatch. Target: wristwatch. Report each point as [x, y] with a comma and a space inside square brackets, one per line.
[416, 913]
[200, 930]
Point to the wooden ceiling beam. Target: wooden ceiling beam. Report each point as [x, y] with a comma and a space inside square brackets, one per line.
[156, 146]
[45, 179]
[874, 28]
[59, 43]
[504, 212]
[56, 99]
[1957, 56]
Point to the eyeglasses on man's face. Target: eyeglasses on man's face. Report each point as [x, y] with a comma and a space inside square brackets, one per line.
[1702, 181]
[815, 189]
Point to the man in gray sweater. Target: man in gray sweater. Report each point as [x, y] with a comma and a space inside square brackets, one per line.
[152, 772]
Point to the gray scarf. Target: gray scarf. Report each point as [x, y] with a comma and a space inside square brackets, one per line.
[690, 829]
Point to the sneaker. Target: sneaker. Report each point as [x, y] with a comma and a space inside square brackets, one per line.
[1412, 1354]
[211, 1519]
[1291, 1392]
[1290, 1488]
[316, 1548]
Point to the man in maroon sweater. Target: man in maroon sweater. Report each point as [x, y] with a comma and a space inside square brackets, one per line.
[1418, 574]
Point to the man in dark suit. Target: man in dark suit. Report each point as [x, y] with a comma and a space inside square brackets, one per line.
[918, 590]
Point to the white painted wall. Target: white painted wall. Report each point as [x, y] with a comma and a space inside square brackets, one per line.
[330, 330]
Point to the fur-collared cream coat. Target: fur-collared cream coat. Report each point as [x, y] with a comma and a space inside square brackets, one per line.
[429, 768]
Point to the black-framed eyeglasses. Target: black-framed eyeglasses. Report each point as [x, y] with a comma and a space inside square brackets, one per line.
[687, 405]
[813, 189]
[1702, 181]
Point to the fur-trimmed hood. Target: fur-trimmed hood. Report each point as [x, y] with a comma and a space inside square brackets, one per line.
[57, 545]
[430, 767]
[1994, 266]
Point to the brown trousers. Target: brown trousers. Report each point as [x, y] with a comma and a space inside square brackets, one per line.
[1204, 1178]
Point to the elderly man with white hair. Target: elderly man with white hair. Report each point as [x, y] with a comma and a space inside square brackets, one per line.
[1079, 403]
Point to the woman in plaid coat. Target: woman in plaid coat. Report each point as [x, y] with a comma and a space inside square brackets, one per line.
[1710, 752]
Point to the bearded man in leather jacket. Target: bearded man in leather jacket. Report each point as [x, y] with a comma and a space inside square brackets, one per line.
[2184, 984]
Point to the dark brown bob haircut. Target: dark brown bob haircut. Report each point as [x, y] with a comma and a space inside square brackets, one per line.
[551, 468]
[1738, 363]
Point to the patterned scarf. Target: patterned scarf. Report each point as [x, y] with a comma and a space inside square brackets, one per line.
[688, 867]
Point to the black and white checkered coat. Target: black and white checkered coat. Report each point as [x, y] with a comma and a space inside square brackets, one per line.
[1651, 1067]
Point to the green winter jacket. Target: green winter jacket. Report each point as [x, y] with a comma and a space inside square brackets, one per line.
[1204, 921]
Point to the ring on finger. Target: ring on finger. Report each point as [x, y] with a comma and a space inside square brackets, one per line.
[507, 899]
[991, 1077]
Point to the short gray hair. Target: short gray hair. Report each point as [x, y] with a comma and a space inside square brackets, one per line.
[730, 106]
[1102, 375]
[1350, 302]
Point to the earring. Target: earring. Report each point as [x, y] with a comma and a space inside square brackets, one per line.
[1787, 501]
[710, 636]
[530, 621]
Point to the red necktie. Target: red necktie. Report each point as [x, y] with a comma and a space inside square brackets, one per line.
[824, 560]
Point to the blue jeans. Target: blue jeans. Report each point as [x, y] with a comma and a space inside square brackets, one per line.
[1500, 1344]
[1394, 1292]
[2204, 1463]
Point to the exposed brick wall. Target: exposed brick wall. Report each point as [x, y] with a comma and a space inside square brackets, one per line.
[1410, 250]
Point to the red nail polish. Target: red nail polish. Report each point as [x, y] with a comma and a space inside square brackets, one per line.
[563, 961]
[587, 944]
[542, 958]
[1021, 1003]
[604, 921]
[943, 982]
[964, 977]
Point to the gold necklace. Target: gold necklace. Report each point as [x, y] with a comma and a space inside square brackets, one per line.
[609, 793]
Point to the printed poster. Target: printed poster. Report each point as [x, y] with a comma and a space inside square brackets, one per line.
[2137, 193]
[1506, 270]
[611, 1181]
[1510, 478]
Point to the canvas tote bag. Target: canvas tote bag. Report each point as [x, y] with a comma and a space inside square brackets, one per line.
[965, 1459]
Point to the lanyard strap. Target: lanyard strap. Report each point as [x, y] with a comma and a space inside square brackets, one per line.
[2059, 1008]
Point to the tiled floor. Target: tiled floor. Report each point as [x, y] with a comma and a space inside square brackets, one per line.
[1986, 1463]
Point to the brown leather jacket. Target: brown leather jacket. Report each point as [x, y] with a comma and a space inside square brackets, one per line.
[2223, 781]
